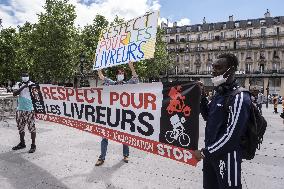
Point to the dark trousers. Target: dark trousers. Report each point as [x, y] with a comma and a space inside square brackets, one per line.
[222, 173]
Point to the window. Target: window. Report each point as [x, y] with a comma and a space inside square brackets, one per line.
[249, 43]
[188, 37]
[208, 67]
[262, 44]
[199, 36]
[188, 28]
[168, 39]
[249, 32]
[186, 58]
[262, 22]
[248, 55]
[199, 28]
[248, 67]
[209, 36]
[224, 26]
[223, 35]
[237, 34]
[178, 30]
[277, 30]
[237, 24]
[198, 47]
[168, 30]
[177, 38]
[262, 31]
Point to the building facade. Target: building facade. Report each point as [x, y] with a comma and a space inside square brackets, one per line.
[258, 44]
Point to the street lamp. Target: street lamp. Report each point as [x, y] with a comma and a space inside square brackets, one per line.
[82, 60]
[267, 92]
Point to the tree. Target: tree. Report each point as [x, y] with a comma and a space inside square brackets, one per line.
[90, 37]
[55, 42]
[8, 49]
[152, 68]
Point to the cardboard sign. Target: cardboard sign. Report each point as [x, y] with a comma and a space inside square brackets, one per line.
[159, 118]
[130, 41]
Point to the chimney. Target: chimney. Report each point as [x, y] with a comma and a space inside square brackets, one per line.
[204, 20]
[231, 18]
[267, 14]
[175, 24]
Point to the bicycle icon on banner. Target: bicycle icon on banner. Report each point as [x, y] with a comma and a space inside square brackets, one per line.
[177, 134]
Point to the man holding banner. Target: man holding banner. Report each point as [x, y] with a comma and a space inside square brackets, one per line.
[120, 76]
[25, 112]
[225, 124]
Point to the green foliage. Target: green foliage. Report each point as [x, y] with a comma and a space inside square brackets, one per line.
[90, 37]
[151, 68]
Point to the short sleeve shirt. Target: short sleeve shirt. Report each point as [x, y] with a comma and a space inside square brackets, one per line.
[24, 99]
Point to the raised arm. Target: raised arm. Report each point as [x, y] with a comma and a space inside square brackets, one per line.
[134, 74]
[101, 75]
[18, 91]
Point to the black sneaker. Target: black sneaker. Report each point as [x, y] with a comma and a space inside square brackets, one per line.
[99, 162]
[33, 148]
[125, 159]
[19, 146]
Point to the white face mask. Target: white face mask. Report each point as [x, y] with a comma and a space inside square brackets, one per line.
[218, 80]
[120, 77]
[25, 79]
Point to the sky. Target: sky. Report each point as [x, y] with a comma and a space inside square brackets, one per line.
[184, 12]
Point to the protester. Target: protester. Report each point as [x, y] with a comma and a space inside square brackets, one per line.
[259, 101]
[222, 153]
[25, 112]
[120, 76]
[275, 103]
[282, 114]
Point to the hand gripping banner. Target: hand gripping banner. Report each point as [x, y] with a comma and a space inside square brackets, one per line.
[160, 118]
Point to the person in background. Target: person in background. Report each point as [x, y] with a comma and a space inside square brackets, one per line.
[282, 114]
[275, 103]
[25, 112]
[120, 80]
[259, 101]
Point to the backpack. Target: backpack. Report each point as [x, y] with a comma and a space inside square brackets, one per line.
[256, 127]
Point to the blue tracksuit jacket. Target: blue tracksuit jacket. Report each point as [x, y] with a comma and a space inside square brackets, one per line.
[222, 163]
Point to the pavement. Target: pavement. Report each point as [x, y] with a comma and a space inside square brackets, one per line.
[65, 159]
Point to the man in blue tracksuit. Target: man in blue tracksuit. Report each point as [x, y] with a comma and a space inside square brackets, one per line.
[222, 155]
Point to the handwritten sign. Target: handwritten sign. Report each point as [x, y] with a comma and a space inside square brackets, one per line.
[130, 41]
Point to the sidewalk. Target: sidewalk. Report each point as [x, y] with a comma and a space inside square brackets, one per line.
[65, 158]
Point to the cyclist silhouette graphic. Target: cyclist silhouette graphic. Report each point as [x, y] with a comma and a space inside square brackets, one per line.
[177, 102]
[178, 132]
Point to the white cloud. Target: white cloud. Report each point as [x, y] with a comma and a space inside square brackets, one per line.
[181, 22]
[20, 11]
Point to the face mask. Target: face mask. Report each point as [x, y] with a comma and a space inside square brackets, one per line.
[25, 79]
[120, 77]
[218, 80]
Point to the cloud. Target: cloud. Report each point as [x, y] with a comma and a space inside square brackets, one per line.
[17, 12]
[181, 22]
